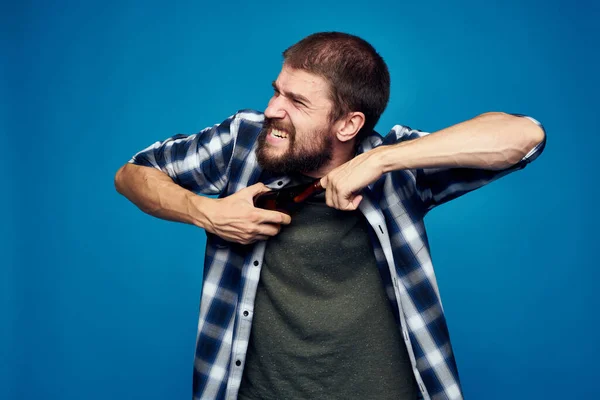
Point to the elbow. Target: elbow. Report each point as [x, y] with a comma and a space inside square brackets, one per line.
[527, 127]
[538, 134]
[534, 136]
[527, 138]
[119, 179]
[531, 129]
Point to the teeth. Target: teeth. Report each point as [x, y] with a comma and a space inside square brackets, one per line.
[278, 133]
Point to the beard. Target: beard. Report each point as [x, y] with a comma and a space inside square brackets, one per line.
[310, 153]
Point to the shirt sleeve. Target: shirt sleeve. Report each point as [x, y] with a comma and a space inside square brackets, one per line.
[436, 186]
[197, 162]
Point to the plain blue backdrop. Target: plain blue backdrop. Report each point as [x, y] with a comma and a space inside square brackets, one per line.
[100, 301]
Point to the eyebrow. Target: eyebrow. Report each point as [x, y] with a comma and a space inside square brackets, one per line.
[294, 96]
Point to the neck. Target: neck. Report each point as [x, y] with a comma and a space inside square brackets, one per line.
[341, 154]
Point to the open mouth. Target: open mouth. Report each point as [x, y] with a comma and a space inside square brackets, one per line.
[278, 134]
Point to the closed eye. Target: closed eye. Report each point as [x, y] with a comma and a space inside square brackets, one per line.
[296, 101]
[295, 98]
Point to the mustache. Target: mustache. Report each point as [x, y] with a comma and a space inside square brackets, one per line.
[270, 123]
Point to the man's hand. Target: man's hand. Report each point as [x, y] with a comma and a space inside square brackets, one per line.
[343, 183]
[232, 218]
[235, 219]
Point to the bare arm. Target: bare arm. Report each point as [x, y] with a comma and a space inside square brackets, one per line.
[233, 218]
[492, 141]
[155, 193]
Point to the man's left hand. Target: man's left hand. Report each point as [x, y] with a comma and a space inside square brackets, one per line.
[343, 184]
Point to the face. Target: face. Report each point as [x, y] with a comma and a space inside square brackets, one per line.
[297, 135]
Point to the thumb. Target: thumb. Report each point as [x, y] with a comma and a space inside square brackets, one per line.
[323, 181]
[356, 201]
[352, 203]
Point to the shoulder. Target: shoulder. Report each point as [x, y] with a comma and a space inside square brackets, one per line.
[245, 126]
[241, 119]
[398, 133]
[249, 117]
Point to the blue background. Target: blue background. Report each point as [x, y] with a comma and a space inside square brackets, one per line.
[100, 301]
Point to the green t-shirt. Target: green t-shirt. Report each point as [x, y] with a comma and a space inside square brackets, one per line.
[323, 327]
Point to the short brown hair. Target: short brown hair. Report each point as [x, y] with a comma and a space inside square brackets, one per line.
[358, 76]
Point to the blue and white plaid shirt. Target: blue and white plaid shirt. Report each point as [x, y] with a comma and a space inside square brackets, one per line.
[221, 161]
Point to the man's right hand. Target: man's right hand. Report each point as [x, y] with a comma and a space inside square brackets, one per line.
[235, 219]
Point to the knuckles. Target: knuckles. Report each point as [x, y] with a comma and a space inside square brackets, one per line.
[255, 217]
[247, 239]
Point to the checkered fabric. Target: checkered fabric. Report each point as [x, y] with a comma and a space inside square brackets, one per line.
[221, 161]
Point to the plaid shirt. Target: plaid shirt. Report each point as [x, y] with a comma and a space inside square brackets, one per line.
[221, 161]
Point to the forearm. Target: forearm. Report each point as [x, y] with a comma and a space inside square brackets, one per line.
[490, 141]
[156, 194]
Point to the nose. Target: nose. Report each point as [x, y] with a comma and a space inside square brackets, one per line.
[275, 108]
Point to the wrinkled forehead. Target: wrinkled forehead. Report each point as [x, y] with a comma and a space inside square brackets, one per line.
[314, 87]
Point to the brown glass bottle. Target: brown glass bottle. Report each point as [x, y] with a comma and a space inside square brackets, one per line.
[288, 199]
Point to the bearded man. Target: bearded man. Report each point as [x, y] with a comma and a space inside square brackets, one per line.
[338, 299]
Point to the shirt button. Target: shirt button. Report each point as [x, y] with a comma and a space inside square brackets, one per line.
[256, 263]
[238, 363]
[246, 313]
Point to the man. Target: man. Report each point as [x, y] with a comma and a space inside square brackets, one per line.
[338, 301]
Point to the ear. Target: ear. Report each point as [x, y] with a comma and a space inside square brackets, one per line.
[348, 126]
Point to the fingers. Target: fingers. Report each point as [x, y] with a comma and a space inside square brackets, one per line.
[274, 217]
[336, 195]
[267, 230]
[339, 197]
[240, 222]
[251, 240]
[344, 184]
[266, 225]
[261, 232]
[324, 181]
[255, 189]
[345, 204]
[356, 201]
